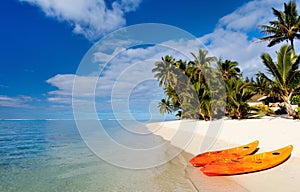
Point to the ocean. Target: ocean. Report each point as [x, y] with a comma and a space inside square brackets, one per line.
[51, 156]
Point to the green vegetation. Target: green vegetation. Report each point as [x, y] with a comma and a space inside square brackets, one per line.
[296, 100]
[263, 110]
[286, 75]
[286, 27]
[238, 93]
[193, 89]
[298, 111]
[185, 86]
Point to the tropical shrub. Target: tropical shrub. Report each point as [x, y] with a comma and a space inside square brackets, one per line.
[238, 94]
[295, 100]
[263, 110]
[298, 111]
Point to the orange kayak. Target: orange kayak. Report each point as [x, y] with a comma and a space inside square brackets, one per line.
[247, 164]
[223, 155]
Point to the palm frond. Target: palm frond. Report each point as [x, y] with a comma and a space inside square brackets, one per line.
[277, 40]
[279, 15]
[271, 67]
[285, 27]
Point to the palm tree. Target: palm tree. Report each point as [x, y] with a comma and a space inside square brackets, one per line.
[186, 85]
[165, 106]
[172, 95]
[286, 75]
[264, 87]
[197, 68]
[164, 71]
[199, 71]
[180, 64]
[238, 94]
[189, 105]
[205, 102]
[229, 69]
[202, 59]
[285, 28]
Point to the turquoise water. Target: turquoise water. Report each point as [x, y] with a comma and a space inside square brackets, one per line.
[50, 156]
[43, 155]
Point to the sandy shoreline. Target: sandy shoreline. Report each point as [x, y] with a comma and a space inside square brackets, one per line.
[272, 132]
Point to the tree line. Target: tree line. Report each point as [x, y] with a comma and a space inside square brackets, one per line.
[193, 89]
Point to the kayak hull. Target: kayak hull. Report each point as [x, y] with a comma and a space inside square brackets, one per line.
[248, 164]
[223, 155]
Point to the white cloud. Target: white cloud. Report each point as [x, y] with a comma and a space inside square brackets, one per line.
[91, 18]
[65, 83]
[234, 35]
[250, 15]
[60, 100]
[128, 74]
[117, 81]
[20, 101]
[129, 70]
[236, 46]
[130, 5]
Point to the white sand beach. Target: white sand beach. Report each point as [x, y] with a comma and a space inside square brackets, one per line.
[272, 132]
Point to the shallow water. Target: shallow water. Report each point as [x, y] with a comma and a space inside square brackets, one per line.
[51, 156]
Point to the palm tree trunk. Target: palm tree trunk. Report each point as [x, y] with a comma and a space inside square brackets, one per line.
[289, 108]
[239, 115]
[292, 46]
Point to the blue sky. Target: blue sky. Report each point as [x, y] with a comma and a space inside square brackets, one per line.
[43, 43]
